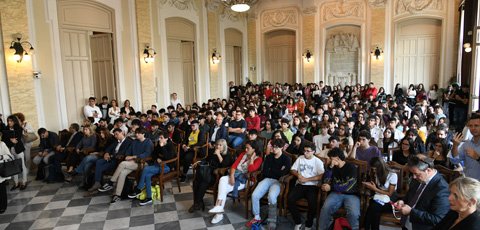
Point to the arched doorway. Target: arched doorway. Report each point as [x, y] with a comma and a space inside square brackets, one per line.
[181, 58]
[88, 57]
[280, 56]
[233, 55]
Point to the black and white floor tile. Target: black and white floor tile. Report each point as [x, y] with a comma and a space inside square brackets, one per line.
[65, 206]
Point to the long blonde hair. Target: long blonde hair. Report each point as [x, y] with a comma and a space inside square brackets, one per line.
[468, 188]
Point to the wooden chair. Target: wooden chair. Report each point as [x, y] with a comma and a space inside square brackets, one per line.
[246, 193]
[402, 188]
[199, 149]
[447, 173]
[173, 174]
[264, 143]
[302, 204]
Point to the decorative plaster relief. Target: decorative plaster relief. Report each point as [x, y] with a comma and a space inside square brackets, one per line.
[179, 4]
[231, 15]
[377, 3]
[416, 6]
[280, 18]
[310, 10]
[342, 9]
[343, 42]
[212, 5]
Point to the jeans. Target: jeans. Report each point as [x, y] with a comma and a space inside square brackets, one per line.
[308, 192]
[224, 188]
[102, 166]
[235, 141]
[333, 202]
[146, 178]
[86, 164]
[272, 186]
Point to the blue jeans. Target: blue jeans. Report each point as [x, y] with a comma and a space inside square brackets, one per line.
[333, 202]
[272, 186]
[235, 141]
[146, 178]
[86, 164]
[102, 166]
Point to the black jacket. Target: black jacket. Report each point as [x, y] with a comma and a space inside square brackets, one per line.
[15, 133]
[122, 151]
[49, 143]
[471, 222]
[432, 205]
[222, 133]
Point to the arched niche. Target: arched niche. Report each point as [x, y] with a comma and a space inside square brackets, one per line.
[233, 55]
[181, 42]
[343, 62]
[280, 56]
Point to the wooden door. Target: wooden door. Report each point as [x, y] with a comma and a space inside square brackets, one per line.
[188, 65]
[103, 70]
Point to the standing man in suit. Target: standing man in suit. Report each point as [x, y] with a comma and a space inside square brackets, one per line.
[426, 202]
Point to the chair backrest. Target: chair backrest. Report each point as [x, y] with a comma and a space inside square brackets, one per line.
[293, 157]
[362, 169]
[402, 175]
[182, 133]
[264, 142]
[447, 173]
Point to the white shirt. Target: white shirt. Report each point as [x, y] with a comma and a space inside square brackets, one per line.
[319, 141]
[308, 168]
[88, 111]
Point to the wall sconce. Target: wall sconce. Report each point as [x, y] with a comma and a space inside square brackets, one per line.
[377, 52]
[149, 54]
[308, 55]
[468, 47]
[216, 57]
[21, 48]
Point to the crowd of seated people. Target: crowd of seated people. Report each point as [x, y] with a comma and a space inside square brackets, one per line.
[261, 131]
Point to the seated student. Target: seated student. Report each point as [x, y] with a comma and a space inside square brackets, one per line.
[194, 138]
[406, 149]
[173, 134]
[86, 146]
[164, 153]
[141, 149]
[105, 139]
[154, 131]
[113, 154]
[120, 124]
[66, 147]
[275, 166]
[384, 187]
[341, 179]
[236, 130]
[362, 149]
[309, 171]
[220, 158]
[296, 148]
[248, 161]
[322, 138]
[285, 127]
[277, 134]
[334, 142]
[48, 142]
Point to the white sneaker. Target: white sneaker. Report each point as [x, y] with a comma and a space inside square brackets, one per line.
[217, 218]
[216, 209]
[307, 228]
[298, 226]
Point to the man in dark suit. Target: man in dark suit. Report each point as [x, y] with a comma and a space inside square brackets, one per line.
[62, 151]
[426, 202]
[217, 131]
[114, 153]
[48, 142]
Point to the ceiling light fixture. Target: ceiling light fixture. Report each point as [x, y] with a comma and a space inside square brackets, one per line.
[239, 5]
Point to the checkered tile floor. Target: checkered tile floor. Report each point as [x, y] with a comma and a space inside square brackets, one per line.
[63, 206]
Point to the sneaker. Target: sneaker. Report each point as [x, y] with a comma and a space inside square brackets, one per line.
[106, 187]
[307, 228]
[216, 210]
[115, 198]
[217, 218]
[146, 201]
[135, 193]
[252, 222]
[297, 227]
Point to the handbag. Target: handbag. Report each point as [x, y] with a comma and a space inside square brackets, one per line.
[30, 137]
[10, 168]
[204, 172]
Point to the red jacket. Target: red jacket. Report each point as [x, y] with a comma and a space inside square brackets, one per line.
[253, 123]
[251, 168]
